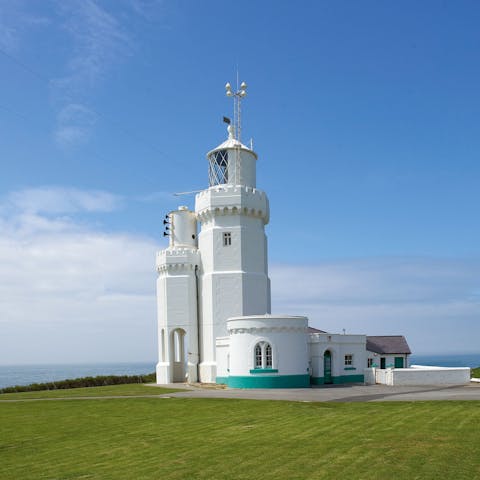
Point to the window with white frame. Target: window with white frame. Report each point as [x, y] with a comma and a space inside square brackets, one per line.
[268, 355]
[348, 360]
[263, 357]
[227, 239]
[258, 356]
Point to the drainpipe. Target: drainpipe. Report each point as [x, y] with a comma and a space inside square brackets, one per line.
[198, 323]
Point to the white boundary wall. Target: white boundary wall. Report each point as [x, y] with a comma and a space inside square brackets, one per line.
[422, 375]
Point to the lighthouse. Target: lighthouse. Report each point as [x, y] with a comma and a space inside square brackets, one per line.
[220, 273]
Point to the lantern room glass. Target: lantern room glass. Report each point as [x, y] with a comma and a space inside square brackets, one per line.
[218, 168]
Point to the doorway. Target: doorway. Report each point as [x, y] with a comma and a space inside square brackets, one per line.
[178, 355]
[327, 367]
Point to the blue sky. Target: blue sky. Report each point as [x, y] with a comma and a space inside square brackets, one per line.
[365, 118]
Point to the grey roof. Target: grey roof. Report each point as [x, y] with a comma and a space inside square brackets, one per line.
[315, 330]
[388, 344]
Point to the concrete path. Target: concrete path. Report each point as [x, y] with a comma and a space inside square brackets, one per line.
[336, 393]
[331, 393]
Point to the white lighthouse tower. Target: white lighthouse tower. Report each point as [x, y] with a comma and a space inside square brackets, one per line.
[234, 267]
[225, 275]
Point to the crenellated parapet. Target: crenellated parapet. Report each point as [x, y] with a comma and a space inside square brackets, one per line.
[267, 324]
[177, 260]
[265, 330]
[232, 200]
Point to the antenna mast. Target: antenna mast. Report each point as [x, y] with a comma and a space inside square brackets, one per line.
[237, 110]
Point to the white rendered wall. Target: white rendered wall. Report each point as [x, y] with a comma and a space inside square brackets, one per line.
[222, 356]
[389, 359]
[422, 375]
[234, 278]
[286, 334]
[177, 310]
[183, 228]
[417, 375]
[339, 346]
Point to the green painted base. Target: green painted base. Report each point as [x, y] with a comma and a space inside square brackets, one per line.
[263, 371]
[277, 381]
[338, 380]
[316, 381]
[221, 380]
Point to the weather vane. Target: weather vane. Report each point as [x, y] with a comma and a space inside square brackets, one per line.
[237, 98]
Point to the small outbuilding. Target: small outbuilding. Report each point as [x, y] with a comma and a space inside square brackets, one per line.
[386, 351]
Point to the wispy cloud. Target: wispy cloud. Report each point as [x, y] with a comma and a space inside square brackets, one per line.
[433, 301]
[15, 21]
[148, 9]
[74, 125]
[59, 200]
[99, 40]
[65, 285]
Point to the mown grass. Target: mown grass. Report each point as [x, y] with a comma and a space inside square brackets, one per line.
[112, 390]
[476, 372]
[173, 438]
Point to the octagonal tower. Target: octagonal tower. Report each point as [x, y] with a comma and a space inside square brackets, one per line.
[234, 269]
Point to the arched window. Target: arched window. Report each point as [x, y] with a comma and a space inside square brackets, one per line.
[263, 355]
[268, 355]
[258, 356]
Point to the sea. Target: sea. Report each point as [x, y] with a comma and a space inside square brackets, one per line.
[11, 375]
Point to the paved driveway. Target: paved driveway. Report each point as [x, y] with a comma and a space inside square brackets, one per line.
[335, 393]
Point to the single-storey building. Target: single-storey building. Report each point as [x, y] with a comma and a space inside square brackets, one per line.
[386, 351]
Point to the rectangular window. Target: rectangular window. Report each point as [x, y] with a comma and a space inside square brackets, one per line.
[227, 239]
[349, 360]
[369, 362]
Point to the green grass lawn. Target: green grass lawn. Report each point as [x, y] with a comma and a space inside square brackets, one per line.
[173, 438]
[476, 372]
[123, 390]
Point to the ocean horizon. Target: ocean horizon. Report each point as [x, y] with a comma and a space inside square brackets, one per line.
[11, 375]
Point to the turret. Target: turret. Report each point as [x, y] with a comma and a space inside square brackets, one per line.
[183, 228]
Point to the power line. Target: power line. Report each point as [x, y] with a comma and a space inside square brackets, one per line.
[72, 95]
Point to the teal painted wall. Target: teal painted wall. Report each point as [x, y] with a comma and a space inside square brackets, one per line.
[277, 381]
[338, 380]
[285, 381]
